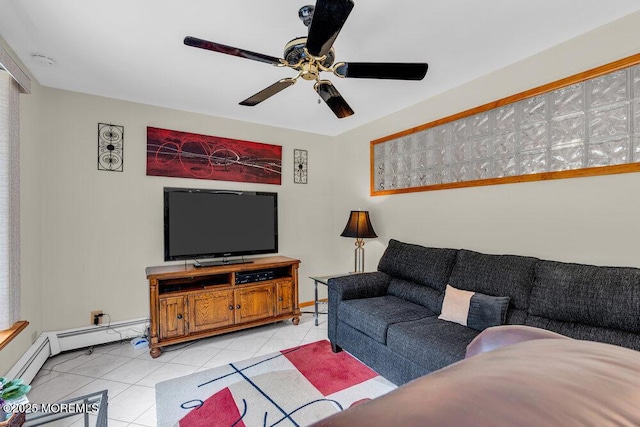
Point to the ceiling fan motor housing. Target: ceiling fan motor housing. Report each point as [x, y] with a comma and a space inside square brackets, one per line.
[294, 53]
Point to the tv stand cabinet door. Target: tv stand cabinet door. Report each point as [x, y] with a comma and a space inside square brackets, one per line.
[254, 303]
[284, 295]
[210, 310]
[172, 317]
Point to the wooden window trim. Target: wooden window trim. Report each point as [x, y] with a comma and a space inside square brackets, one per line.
[575, 173]
[7, 335]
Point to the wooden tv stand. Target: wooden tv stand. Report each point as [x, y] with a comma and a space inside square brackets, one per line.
[188, 303]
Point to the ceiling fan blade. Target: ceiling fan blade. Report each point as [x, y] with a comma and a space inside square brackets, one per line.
[268, 92]
[328, 18]
[333, 99]
[382, 70]
[230, 50]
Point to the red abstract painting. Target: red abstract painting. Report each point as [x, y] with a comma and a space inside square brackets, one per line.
[191, 155]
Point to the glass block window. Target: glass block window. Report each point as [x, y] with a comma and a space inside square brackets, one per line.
[590, 123]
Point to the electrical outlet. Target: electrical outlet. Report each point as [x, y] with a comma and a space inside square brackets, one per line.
[96, 315]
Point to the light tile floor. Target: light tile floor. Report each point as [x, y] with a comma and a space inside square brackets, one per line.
[130, 375]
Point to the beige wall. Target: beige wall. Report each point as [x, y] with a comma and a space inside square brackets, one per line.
[101, 229]
[590, 220]
[88, 234]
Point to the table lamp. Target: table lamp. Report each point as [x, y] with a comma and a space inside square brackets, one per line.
[359, 226]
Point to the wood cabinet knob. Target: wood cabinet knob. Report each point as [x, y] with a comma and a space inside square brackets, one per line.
[238, 306]
[230, 307]
[179, 316]
[280, 299]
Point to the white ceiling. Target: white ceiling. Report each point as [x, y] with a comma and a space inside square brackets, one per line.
[133, 50]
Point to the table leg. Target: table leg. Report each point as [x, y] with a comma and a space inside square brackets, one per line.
[315, 282]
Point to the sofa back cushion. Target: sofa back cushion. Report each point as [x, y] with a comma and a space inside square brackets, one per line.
[425, 266]
[497, 275]
[418, 294]
[587, 302]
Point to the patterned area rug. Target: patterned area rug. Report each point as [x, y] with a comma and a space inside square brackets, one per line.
[294, 387]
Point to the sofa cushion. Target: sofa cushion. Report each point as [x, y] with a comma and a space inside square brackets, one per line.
[473, 309]
[430, 342]
[581, 331]
[418, 294]
[585, 301]
[372, 316]
[498, 275]
[425, 266]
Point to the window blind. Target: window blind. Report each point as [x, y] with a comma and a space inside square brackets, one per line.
[9, 201]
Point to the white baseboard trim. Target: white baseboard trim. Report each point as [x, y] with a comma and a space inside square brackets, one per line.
[54, 342]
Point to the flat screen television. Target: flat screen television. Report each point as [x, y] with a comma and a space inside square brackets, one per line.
[203, 223]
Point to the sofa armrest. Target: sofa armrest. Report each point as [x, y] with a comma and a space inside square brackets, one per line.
[362, 285]
[353, 286]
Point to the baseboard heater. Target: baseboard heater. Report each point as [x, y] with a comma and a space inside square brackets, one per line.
[51, 343]
[28, 366]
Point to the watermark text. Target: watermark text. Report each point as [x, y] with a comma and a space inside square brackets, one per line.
[54, 408]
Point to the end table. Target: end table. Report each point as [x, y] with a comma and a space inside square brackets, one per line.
[325, 281]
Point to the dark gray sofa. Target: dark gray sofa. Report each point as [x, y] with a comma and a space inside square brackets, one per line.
[389, 318]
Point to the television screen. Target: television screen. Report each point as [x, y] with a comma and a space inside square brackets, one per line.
[202, 223]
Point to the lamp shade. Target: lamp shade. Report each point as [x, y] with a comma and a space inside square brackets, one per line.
[359, 226]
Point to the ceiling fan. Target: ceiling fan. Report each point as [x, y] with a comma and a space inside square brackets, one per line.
[313, 54]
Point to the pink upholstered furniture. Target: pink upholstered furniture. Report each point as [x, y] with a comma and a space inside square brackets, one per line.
[499, 336]
[515, 376]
